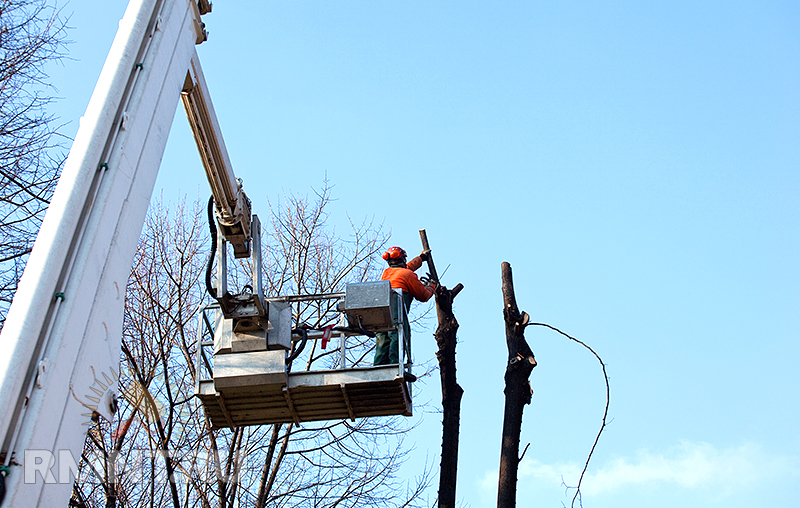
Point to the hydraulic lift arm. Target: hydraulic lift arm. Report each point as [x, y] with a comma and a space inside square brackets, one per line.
[236, 224]
[232, 206]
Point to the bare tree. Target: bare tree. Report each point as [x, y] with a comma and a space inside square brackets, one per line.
[518, 392]
[32, 35]
[521, 363]
[451, 391]
[161, 450]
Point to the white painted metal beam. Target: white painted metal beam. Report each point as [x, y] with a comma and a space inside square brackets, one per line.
[59, 351]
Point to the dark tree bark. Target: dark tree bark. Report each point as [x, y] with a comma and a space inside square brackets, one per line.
[518, 390]
[451, 393]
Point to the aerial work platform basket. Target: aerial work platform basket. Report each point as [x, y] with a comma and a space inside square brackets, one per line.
[243, 379]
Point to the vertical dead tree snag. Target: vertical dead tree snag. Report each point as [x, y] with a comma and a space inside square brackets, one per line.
[518, 390]
[451, 391]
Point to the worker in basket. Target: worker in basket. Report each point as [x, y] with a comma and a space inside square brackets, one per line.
[401, 275]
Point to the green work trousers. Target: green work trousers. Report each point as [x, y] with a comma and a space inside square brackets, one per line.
[386, 348]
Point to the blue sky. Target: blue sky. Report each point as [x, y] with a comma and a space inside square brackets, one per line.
[637, 163]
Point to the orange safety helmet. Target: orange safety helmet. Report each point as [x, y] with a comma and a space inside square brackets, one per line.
[394, 253]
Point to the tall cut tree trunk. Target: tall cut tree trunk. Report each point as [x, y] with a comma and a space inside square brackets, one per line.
[451, 393]
[518, 390]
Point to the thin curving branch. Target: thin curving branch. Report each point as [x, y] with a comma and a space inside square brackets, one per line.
[605, 412]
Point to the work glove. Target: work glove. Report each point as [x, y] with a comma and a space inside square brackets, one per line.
[424, 256]
[428, 281]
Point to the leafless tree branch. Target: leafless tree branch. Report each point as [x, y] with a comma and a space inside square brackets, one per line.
[338, 463]
[605, 411]
[32, 36]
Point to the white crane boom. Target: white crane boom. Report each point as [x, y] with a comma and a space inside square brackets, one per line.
[59, 351]
[233, 207]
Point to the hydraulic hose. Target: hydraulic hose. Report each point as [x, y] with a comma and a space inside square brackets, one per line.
[3, 472]
[358, 330]
[212, 227]
[304, 333]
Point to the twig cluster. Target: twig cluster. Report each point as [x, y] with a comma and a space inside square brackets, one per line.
[32, 35]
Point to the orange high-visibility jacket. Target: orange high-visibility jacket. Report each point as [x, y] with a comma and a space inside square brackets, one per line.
[407, 280]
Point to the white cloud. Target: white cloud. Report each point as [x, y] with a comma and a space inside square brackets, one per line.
[687, 465]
